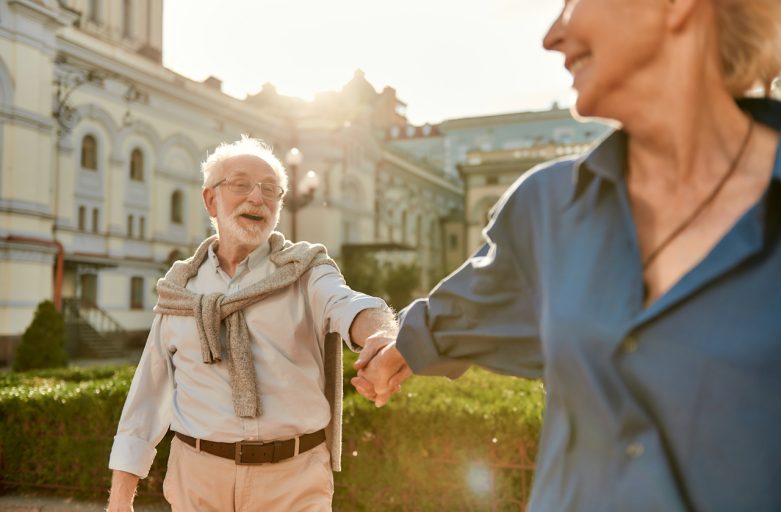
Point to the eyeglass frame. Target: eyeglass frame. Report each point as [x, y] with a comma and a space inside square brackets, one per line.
[280, 191]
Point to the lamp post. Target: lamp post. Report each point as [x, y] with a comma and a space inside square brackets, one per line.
[301, 193]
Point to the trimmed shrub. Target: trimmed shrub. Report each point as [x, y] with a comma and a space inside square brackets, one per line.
[438, 445]
[43, 343]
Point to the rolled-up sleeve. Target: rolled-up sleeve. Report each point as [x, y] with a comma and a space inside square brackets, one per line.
[334, 304]
[147, 413]
[483, 313]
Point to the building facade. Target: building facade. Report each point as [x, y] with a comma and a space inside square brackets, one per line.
[100, 188]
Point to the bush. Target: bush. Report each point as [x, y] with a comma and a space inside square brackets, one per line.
[399, 282]
[43, 343]
[438, 445]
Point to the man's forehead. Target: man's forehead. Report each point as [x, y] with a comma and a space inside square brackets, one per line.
[249, 165]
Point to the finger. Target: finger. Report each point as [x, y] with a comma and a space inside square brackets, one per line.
[367, 354]
[362, 385]
[402, 375]
[381, 399]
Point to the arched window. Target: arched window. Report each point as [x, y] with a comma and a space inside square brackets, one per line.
[137, 165]
[95, 220]
[89, 153]
[141, 227]
[176, 207]
[130, 226]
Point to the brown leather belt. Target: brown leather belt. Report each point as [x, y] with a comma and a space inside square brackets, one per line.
[257, 452]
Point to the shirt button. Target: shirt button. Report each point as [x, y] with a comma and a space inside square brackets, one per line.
[630, 345]
[635, 450]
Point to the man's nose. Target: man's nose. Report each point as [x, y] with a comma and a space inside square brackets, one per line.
[255, 195]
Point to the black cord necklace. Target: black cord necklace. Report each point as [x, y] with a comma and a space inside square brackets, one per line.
[704, 203]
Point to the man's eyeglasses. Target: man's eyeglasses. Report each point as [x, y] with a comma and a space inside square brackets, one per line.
[244, 187]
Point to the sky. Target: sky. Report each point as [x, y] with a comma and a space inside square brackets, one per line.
[446, 58]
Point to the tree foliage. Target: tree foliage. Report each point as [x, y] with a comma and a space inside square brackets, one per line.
[43, 343]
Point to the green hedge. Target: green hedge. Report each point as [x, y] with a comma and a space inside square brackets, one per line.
[439, 445]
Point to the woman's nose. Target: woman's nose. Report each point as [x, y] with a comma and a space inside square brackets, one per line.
[554, 37]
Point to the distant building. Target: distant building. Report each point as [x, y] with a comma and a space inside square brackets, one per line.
[100, 152]
[100, 146]
[488, 153]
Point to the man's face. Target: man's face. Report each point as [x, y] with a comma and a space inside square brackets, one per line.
[244, 219]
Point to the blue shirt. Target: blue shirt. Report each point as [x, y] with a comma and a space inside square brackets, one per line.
[676, 406]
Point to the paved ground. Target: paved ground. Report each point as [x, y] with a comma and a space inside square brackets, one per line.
[46, 504]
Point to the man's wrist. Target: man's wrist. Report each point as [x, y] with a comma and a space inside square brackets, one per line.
[373, 323]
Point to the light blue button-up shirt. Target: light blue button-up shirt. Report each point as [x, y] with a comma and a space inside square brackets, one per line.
[672, 407]
[172, 387]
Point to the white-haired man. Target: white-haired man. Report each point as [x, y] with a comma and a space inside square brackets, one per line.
[239, 361]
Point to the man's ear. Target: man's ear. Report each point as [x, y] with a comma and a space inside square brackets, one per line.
[679, 12]
[210, 201]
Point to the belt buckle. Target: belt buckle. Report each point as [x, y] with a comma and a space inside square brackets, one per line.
[274, 445]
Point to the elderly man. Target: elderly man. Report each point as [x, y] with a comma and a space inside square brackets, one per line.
[243, 360]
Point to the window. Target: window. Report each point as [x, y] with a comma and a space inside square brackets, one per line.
[453, 241]
[82, 218]
[176, 207]
[137, 165]
[126, 18]
[130, 226]
[491, 180]
[141, 227]
[136, 292]
[94, 11]
[89, 153]
[404, 227]
[95, 220]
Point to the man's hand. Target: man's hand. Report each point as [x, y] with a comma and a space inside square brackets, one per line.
[381, 371]
[123, 490]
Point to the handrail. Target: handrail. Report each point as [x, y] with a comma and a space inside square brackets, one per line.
[94, 315]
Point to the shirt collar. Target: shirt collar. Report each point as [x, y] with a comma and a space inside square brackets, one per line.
[607, 158]
[251, 261]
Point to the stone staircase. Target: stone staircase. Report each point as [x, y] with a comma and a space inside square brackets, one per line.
[92, 332]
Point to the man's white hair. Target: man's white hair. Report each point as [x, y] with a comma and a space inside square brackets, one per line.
[244, 146]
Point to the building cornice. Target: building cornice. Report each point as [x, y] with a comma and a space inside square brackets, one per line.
[513, 118]
[417, 171]
[42, 12]
[152, 76]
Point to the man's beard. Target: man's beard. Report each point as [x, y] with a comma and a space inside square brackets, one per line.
[254, 234]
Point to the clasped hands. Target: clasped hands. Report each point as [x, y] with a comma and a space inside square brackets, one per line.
[381, 369]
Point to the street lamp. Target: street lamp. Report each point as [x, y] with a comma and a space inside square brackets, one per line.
[301, 193]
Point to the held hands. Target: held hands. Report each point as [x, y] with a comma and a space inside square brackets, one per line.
[381, 370]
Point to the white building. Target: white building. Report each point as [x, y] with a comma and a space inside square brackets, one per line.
[100, 149]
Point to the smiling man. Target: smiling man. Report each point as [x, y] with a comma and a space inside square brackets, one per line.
[243, 360]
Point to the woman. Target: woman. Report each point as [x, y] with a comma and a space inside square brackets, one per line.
[642, 280]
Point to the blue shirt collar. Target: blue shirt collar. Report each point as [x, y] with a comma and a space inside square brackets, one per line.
[607, 158]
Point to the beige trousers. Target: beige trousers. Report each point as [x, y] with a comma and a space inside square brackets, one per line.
[198, 481]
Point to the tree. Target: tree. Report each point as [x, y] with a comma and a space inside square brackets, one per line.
[43, 343]
[399, 282]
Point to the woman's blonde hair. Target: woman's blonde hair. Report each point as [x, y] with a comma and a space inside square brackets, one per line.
[750, 40]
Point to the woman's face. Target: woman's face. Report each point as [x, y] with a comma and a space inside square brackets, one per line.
[612, 49]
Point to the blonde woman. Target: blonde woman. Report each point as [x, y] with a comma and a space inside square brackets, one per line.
[642, 280]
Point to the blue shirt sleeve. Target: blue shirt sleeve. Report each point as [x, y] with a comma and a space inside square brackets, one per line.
[483, 313]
